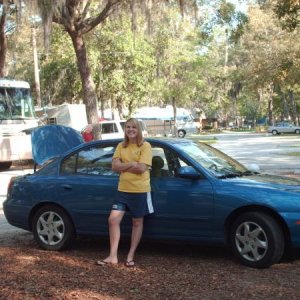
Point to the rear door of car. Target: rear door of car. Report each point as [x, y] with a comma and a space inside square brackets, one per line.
[88, 187]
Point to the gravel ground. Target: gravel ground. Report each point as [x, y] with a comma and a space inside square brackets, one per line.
[163, 271]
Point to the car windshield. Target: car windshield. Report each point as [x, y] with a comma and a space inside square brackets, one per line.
[218, 163]
[16, 103]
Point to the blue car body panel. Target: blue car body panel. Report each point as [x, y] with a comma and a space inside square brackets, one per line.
[53, 140]
[195, 209]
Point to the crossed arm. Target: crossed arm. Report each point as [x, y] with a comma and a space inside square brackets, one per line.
[132, 167]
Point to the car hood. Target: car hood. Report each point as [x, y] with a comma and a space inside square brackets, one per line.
[53, 140]
[268, 181]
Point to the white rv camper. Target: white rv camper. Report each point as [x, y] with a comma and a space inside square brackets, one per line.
[160, 121]
[71, 115]
[17, 118]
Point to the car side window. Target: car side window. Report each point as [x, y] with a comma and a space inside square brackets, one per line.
[175, 162]
[90, 161]
[165, 163]
[109, 128]
[160, 165]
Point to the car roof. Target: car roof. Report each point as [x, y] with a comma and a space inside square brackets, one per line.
[54, 140]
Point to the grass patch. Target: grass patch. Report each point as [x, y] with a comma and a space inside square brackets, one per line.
[203, 139]
[292, 154]
[207, 141]
[194, 138]
[294, 146]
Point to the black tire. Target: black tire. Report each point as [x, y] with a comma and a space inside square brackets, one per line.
[5, 165]
[52, 228]
[181, 133]
[274, 132]
[257, 240]
[297, 131]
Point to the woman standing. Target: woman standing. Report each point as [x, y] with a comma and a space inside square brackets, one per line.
[132, 159]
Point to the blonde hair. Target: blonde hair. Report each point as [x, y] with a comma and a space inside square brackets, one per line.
[140, 138]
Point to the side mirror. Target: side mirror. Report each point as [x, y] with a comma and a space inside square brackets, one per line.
[188, 172]
[253, 167]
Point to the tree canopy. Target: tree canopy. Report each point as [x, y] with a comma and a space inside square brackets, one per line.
[203, 55]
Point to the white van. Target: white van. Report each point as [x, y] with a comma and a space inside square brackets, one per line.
[114, 129]
[186, 125]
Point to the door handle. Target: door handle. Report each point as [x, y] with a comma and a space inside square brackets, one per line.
[67, 186]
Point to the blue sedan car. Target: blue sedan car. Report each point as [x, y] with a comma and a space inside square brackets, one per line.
[199, 194]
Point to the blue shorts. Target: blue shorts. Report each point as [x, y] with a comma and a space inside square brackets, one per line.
[139, 204]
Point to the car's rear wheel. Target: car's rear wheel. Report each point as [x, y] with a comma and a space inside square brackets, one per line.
[181, 133]
[52, 228]
[274, 132]
[297, 131]
[257, 240]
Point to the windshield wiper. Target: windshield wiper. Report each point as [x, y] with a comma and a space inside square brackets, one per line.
[237, 174]
[248, 173]
[230, 175]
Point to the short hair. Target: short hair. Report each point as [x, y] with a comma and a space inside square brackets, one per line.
[140, 138]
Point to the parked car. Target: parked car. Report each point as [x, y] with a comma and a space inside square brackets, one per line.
[114, 129]
[199, 195]
[186, 125]
[109, 129]
[284, 127]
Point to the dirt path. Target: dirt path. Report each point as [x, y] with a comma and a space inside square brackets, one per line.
[163, 271]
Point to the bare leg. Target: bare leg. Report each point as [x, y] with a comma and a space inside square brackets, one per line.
[114, 221]
[137, 231]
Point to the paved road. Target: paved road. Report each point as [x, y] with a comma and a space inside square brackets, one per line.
[4, 181]
[271, 153]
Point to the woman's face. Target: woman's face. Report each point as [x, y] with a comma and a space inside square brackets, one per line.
[131, 131]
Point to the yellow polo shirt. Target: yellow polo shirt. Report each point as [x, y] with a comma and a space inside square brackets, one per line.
[129, 182]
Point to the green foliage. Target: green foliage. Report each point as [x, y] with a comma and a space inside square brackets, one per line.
[59, 77]
[250, 108]
[123, 63]
[225, 63]
[268, 60]
[288, 12]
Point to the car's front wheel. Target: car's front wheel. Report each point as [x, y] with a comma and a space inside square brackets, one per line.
[52, 228]
[297, 131]
[257, 240]
[274, 132]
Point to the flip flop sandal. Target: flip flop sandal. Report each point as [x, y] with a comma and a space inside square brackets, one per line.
[103, 263]
[130, 264]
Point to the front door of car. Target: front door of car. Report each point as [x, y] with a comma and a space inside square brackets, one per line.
[183, 207]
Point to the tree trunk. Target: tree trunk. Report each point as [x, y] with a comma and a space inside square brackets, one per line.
[36, 69]
[293, 107]
[148, 16]
[270, 109]
[3, 42]
[119, 107]
[270, 92]
[89, 93]
[285, 108]
[175, 115]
